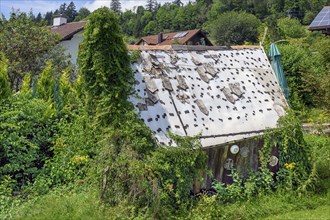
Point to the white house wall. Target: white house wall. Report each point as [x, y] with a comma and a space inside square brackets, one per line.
[72, 46]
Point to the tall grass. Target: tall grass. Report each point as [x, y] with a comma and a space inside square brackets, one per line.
[263, 207]
[85, 204]
[72, 204]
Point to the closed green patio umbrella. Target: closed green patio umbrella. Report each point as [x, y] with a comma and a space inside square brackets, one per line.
[275, 56]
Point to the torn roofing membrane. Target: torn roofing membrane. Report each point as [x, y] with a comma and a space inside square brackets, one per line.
[223, 95]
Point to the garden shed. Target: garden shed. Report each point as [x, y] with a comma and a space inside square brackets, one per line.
[227, 95]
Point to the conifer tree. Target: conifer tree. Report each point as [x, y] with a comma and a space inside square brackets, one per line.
[105, 67]
[46, 82]
[49, 17]
[39, 17]
[115, 5]
[177, 2]
[26, 84]
[151, 5]
[71, 12]
[62, 8]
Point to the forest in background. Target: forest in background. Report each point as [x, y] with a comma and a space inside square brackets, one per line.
[75, 144]
[154, 17]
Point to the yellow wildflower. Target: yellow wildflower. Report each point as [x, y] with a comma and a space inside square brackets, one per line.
[290, 166]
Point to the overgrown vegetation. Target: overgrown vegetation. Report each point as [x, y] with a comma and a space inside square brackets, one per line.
[75, 149]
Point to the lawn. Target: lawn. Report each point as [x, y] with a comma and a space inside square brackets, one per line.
[322, 212]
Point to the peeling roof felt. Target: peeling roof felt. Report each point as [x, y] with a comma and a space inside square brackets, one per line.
[66, 31]
[224, 95]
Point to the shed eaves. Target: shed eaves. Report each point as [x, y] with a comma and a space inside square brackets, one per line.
[239, 100]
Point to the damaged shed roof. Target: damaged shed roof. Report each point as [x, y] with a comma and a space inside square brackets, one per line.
[224, 94]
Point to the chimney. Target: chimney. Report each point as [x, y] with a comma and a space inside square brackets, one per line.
[160, 38]
[59, 20]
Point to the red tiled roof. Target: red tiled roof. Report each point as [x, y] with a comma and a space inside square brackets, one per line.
[66, 31]
[169, 39]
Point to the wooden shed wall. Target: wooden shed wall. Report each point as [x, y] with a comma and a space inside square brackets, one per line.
[217, 157]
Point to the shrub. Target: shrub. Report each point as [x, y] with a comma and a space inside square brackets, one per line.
[291, 28]
[27, 131]
[235, 28]
[321, 153]
[307, 76]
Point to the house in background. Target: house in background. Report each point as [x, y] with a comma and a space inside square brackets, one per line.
[70, 33]
[71, 36]
[322, 21]
[229, 96]
[190, 37]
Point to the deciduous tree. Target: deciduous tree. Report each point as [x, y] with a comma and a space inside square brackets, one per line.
[235, 28]
[25, 43]
[82, 14]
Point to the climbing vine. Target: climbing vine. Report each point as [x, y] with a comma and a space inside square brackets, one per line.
[105, 68]
[295, 163]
